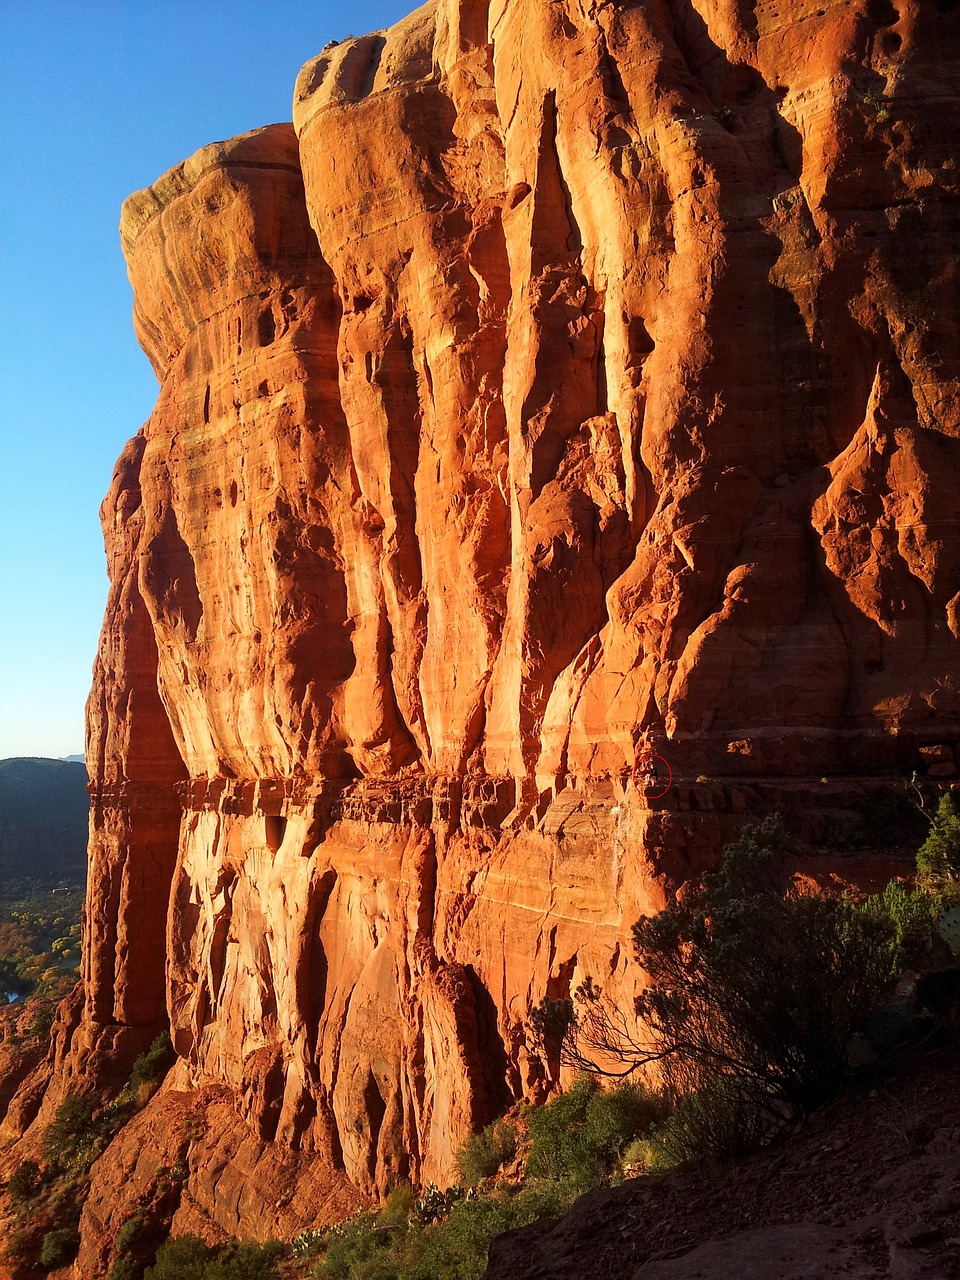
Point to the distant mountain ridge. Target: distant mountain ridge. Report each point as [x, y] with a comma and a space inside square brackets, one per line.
[43, 819]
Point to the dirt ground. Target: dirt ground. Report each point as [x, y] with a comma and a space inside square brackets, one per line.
[867, 1188]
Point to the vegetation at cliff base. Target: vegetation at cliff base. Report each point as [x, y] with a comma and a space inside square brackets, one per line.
[188, 1258]
[552, 1153]
[39, 938]
[758, 990]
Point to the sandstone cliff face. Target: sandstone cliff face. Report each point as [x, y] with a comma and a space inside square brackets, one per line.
[570, 381]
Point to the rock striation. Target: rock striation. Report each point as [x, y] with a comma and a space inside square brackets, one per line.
[569, 382]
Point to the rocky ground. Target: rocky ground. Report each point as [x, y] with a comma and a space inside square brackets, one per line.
[867, 1188]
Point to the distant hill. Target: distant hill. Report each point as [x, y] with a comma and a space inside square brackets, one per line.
[43, 819]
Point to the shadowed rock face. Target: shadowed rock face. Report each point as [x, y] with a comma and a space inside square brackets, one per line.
[564, 384]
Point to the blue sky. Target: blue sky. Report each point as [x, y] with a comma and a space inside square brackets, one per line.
[98, 99]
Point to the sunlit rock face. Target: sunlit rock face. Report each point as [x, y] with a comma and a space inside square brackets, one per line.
[569, 382]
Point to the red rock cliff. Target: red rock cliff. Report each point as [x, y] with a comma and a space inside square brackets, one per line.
[569, 381]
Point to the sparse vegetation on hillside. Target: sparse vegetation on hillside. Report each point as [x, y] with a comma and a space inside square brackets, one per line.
[574, 1142]
[188, 1258]
[47, 1197]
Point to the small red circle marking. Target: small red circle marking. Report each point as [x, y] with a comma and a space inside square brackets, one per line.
[646, 773]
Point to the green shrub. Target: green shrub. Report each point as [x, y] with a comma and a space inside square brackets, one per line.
[367, 1247]
[129, 1234]
[579, 1136]
[181, 1258]
[24, 1181]
[59, 1247]
[43, 1019]
[721, 1119]
[484, 1154]
[755, 991]
[152, 1066]
[456, 1249]
[357, 1244]
[938, 859]
[756, 980]
[188, 1258]
[914, 914]
[126, 1268]
[245, 1262]
[399, 1206]
[70, 1132]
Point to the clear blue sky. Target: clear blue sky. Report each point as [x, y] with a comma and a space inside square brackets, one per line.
[97, 100]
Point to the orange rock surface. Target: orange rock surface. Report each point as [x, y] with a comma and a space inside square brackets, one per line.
[568, 383]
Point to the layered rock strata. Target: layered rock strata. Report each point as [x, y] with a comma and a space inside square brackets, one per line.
[569, 383]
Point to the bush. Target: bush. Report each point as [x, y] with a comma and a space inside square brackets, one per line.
[59, 1248]
[580, 1135]
[126, 1268]
[720, 1119]
[359, 1243]
[152, 1066]
[755, 980]
[483, 1154]
[457, 1248]
[938, 859]
[755, 992]
[369, 1247]
[399, 1206]
[188, 1258]
[129, 1234]
[914, 914]
[24, 1181]
[44, 1016]
[69, 1132]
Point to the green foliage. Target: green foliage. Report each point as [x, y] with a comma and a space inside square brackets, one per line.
[152, 1066]
[434, 1205]
[360, 1247]
[484, 1154]
[70, 1133]
[456, 1249]
[59, 1247]
[399, 1205]
[913, 914]
[39, 938]
[44, 1016]
[188, 1258]
[721, 1119]
[369, 1247]
[755, 980]
[938, 859]
[24, 1181]
[129, 1234]
[125, 1268]
[579, 1136]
